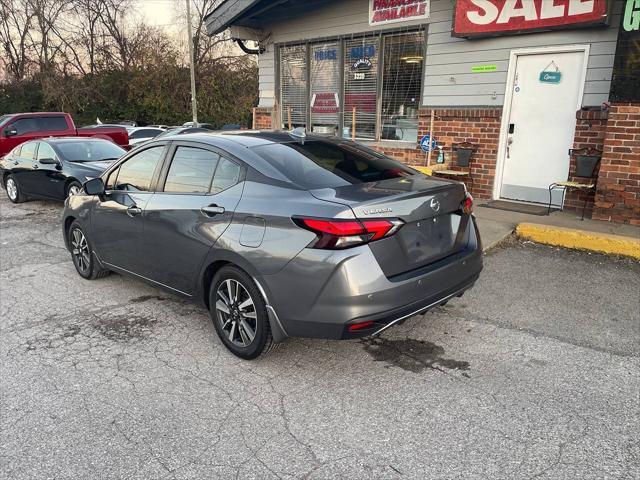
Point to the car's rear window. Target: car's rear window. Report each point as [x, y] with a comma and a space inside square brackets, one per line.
[323, 164]
[89, 150]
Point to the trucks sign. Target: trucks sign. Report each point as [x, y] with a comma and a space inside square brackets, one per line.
[478, 18]
[382, 12]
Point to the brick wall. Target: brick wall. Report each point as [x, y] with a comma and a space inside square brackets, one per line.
[262, 118]
[618, 188]
[480, 126]
[590, 130]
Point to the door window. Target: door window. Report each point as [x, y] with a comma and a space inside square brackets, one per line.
[53, 124]
[25, 125]
[191, 170]
[136, 173]
[45, 151]
[28, 150]
[226, 176]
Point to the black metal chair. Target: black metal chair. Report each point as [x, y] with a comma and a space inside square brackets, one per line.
[587, 162]
[464, 153]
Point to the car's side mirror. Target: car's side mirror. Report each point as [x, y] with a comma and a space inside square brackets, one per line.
[10, 132]
[49, 161]
[95, 186]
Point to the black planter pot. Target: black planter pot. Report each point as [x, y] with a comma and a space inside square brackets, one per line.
[585, 165]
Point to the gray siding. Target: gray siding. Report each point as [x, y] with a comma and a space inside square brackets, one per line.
[448, 78]
[447, 56]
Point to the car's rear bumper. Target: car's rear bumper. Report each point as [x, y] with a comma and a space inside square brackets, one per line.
[320, 293]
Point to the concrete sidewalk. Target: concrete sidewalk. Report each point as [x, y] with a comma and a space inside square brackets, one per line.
[495, 225]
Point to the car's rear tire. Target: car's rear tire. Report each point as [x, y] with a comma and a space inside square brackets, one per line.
[82, 254]
[73, 188]
[13, 190]
[239, 313]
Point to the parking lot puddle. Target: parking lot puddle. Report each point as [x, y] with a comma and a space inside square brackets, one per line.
[412, 355]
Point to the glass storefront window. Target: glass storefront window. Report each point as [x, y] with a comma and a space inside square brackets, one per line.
[361, 87]
[293, 81]
[401, 86]
[375, 79]
[325, 88]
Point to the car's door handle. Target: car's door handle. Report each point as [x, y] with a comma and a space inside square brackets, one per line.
[134, 211]
[35, 167]
[212, 210]
[16, 162]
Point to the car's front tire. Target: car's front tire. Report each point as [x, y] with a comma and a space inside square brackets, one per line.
[82, 254]
[239, 313]
[73, 188]
[13, 190]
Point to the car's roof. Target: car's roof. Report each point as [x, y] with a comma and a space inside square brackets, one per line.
[249, 138]
[35, 114]
[57, 140]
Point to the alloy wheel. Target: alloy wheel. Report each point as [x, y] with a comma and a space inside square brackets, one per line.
[12, 189]
[74, 190]
[236, 312]
[80, 250]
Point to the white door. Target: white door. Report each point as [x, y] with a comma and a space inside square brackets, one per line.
[541, 124]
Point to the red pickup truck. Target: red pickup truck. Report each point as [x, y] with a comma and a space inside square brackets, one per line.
[17, 128]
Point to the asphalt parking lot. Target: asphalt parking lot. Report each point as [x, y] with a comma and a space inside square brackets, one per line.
[533, 374]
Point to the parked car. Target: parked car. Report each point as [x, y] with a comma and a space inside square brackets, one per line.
[55, 168]
[18, 128]
[277, 234]
[138, 135]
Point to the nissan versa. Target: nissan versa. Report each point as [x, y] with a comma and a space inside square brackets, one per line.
[279, 234]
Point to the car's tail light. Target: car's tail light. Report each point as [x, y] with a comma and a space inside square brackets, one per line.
[467, 204]
[337, 234]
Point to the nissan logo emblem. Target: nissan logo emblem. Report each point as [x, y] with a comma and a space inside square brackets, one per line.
[435, 205]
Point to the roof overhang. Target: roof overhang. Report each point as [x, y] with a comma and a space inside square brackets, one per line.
[255, 14]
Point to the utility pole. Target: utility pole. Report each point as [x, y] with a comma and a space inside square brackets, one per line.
[194, 103]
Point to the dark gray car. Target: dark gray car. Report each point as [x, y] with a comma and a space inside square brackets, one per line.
[278, 234]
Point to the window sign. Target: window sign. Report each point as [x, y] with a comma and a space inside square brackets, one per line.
[382, 12]
[360, 87]
[625, 82]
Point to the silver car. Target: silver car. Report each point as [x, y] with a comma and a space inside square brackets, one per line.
[278, 234]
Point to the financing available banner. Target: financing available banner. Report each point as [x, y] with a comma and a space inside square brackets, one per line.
[382, 12]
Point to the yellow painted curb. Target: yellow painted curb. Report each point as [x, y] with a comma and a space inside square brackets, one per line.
[425, 170]
[580, 239]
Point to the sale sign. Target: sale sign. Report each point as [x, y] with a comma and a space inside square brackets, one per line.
[382, 12]
[475, 18]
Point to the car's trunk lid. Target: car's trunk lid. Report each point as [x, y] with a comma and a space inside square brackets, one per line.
[430, 208]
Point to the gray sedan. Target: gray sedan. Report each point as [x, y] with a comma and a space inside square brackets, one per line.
[278, 234]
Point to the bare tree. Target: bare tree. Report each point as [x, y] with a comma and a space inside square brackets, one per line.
[16, 17]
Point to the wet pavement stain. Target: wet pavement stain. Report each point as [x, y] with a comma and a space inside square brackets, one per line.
[126, 327]
[412, 355]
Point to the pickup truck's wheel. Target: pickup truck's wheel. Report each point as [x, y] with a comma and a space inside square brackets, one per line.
[73, 188]
[13, 190]
[82, 254]
[239, 313]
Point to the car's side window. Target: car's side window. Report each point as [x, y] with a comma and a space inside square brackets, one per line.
[53, 124]
[45, 151]
[191, 170]
[28, 151]
[226, 176]
[136, 173]
[25, 125]
[16, 151]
